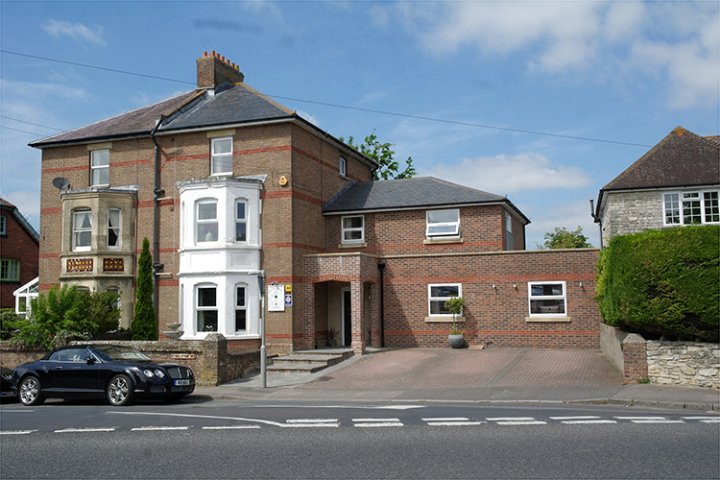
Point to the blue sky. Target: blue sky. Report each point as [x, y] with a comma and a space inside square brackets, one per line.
[625, 72]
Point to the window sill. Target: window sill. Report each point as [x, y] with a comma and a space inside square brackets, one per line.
[444, 319]
[442, 240]
[353, 245]
[548, 319]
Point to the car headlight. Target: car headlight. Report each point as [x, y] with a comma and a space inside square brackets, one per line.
[148, 373]
[159, 373]
[153, 373]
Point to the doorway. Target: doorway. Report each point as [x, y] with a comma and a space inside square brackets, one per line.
[346, 317]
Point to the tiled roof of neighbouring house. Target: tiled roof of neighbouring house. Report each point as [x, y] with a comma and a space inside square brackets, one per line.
[680, 159]
[416, 192]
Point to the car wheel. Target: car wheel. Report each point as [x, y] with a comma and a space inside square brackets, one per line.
[29, 391]
[119, 390]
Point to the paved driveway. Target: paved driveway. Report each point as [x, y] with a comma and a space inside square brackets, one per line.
[437, 369]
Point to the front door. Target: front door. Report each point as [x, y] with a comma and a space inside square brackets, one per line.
[346, 317]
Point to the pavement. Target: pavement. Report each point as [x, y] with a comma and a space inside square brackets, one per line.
[494, 375]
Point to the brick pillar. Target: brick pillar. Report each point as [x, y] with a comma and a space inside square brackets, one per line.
[374, 314]
[309, 294]
[634, 358]
[357, 290]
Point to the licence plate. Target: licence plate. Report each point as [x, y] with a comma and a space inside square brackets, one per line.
[181, 382]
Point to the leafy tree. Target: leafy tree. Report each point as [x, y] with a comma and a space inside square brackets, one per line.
[68, 312]
[563, 238]
[384, 155]
[144, 325]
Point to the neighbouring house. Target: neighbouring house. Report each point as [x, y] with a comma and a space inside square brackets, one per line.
[19, 251]
[240, 195]
[676, 183]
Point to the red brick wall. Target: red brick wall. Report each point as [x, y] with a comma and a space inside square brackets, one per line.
[492, 315]
[17, 244]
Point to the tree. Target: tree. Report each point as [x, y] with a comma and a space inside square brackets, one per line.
[144, 325]
[384, 155]
[563, 238]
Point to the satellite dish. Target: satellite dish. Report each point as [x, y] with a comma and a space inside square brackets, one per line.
[60, 182]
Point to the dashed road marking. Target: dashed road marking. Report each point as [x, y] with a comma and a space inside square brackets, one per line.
[156, 429]
[507, 421]
[312, 422]
[85, 430]
[588, 422]
[650, 420]
[451, 422]
[706, 419]
[582, 417]
[377, 422]
[232, 427]
[16, 432]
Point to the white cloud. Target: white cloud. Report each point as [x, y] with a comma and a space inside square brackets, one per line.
[77, 31]
[624, 20]
[503, 174]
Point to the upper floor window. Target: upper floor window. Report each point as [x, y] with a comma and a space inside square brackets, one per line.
[547, 298]
[240, 309]
[113, 228]
[691, 208]
[240, 221]
[9, 270]
[353, 229]
[206, 309]
[222, 156]
[508, 232]
[439, 294]
[3, 225]
[99, 167]
[342, 166]
[443, 223]
[206, 221]
[81, 230]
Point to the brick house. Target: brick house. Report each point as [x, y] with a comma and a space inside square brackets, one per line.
[677, 182]
[19, 250]
[229, 185]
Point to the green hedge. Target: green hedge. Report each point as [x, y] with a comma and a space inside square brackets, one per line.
[663, 283]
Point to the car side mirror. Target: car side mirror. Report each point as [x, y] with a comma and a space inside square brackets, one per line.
[91, 360]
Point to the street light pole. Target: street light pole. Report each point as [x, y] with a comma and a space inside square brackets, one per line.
[263, 353]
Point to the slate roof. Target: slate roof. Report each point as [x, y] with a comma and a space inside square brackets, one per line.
[418, 192]
[681, 159]
[229, 104]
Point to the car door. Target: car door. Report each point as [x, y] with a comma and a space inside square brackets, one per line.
[73, 374]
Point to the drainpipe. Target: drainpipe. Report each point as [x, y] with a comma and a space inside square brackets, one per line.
[381, 268]
[157, 194]
[596, 219]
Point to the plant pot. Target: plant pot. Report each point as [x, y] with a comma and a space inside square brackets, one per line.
[456, 340]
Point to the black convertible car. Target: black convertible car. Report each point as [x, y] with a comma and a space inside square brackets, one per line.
[118, 373]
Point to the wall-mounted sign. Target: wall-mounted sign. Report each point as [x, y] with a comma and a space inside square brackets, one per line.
[276, 298]
[288, 288]
[288, 299]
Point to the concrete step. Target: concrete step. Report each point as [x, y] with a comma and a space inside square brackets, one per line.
[309, 361]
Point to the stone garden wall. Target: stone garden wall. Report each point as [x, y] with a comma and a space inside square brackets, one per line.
[684, 363]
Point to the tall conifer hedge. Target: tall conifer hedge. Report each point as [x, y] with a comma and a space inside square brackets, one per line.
[144, 326]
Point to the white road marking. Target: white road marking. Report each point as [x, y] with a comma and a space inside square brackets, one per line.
[511, 419]
[445, 419]
[714, 420]
[85, 430]
[640, 418]
[523, 422]
[455, 424]
[587, 417]
[214, 417]
[232, 427]
[16, 432]
[377, 422]
[156, 429]
[312, 422]
[650, 420]
[706, 419]
[587, 422]
[2, 410]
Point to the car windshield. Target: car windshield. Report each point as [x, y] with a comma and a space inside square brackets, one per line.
[121, 353]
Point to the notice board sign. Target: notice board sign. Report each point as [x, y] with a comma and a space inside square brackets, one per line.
[276, 298]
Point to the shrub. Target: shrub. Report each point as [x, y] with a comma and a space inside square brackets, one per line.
[144, 326]
[68, 312]
[663, 283]
[10, 323]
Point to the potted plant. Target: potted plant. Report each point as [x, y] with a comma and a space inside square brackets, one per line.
[456, 338]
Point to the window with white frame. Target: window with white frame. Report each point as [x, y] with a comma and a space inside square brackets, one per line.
[691, 208]
[443, 223]
[342, 166]
[508, 232]
[221, 162]
[240, 309]
[241, 221]
[206, 309]
[99, 167]
[113, 228]
[353, 229]
[9, 270]
[438, 294]
[206, 221]
[3, 225]
[81, 230]
[547, 299]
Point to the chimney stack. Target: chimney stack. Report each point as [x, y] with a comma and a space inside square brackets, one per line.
[213, 70]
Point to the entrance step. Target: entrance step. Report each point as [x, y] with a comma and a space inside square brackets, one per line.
[309, 361]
